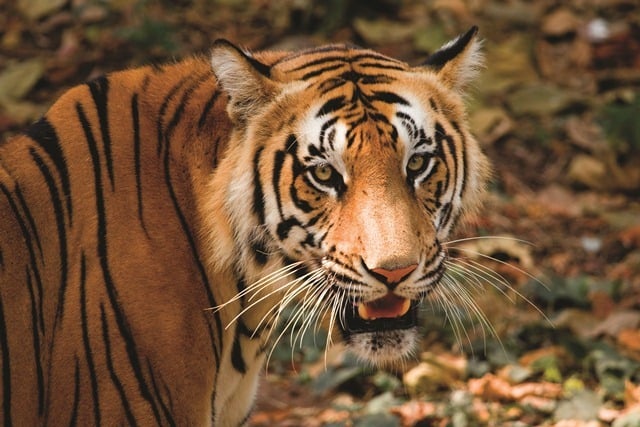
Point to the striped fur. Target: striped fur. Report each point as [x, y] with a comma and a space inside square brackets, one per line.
[154, 221]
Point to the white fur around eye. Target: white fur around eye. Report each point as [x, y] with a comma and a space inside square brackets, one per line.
[309, 133]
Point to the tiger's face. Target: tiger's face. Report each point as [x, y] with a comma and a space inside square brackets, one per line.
[362, 166]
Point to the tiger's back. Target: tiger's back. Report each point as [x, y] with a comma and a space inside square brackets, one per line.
[97, 219]
[155, 223]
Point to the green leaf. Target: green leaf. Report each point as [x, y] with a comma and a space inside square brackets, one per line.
[582, 406]
[333, 378]
[621, 125]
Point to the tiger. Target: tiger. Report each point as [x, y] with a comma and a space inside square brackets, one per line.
[155, 222]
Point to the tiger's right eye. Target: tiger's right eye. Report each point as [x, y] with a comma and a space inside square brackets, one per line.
[325, 177]
[323, 173]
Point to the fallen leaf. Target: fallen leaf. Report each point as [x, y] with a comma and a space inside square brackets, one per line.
[36, 9]
[631, 393]
[628, 419]
[630, 237]
[616, 322]
[580, 322]
[581, 406]
[490, 124]
[18, 78]
[560, 22]
[540, 404]
[413, 411]
[333, 416]
[629, 340]
[490, 387]
[544, 390]
[587, 170]
[381, 31]
[577, 423]
[510, 66]
[602, 305]
[506, 245]
[541, 99]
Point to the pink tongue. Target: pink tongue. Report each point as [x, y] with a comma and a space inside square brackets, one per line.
[388, 307]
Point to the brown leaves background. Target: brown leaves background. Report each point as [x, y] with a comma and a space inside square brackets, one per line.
[556, 109]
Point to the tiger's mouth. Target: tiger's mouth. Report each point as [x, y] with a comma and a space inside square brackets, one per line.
[391, 312]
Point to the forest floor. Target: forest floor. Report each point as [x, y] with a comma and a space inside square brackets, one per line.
[557, 110]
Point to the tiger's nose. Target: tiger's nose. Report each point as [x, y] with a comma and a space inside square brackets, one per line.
[393, 277]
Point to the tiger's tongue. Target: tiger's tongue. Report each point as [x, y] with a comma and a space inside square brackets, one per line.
[388, 307]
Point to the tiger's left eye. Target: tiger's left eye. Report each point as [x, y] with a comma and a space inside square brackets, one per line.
[416, 162]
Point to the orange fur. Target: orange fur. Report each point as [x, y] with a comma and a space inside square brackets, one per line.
[145, 198]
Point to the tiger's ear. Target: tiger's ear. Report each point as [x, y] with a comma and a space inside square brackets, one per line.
[458, 62]
[245, 79]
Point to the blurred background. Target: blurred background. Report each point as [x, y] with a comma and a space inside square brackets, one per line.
[558, 111]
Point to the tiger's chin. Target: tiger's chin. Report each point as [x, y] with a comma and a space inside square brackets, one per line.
[383, 332]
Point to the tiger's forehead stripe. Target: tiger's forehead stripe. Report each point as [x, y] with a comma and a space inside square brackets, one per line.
[334, 61]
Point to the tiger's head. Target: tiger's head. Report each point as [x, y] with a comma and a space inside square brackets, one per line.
[344, 174]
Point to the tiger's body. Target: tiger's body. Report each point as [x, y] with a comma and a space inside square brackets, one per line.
[143, 198]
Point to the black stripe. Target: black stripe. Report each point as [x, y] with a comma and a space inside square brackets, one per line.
[165, 409]
[388, 97]
[6, 368]
[37, 311]
[30, 248]
[29, 217]
[439, 58]
[112, 293]
[36, 319]
[334, 104]
[313, 52]
[463, 153]
[434, 105]
[442, 136]
[378, 65]
[84, 322]
[258, 195]
[236, 354]
[301, 204]
[182, 104]
[45, 135]
[326, 86]
[166, 141]
[278, 164]
[320, 61]
[112, 372]
[377, 58]
[163, 110]
[260, 253]
[60, 227]
[285, 226]
[454, 156]
[409, 124]
[99, 89]
[445, 213]
[323, 131]
[76, 396]
[322, 70]
[207, 108]
[376, 79]
[135, 117]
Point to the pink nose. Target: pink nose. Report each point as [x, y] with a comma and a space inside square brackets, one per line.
[397, 275]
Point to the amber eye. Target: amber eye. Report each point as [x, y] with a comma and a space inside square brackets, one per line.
[416, 162]
[323, 173]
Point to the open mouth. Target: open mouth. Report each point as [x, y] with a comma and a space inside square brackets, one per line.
[390, 312]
